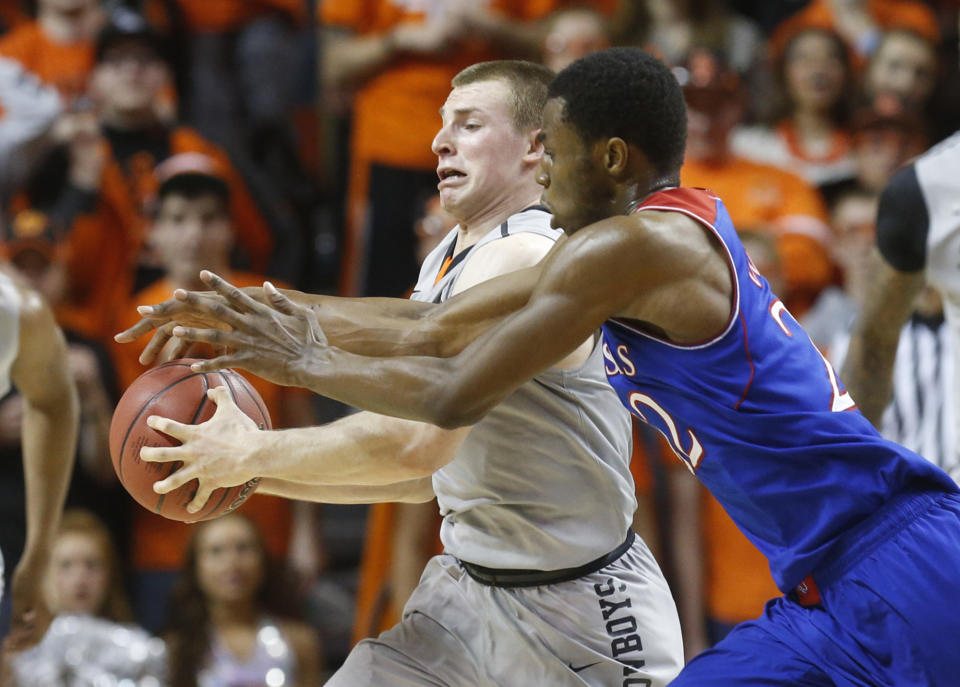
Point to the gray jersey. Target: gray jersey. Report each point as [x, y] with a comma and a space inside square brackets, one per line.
[542, 481]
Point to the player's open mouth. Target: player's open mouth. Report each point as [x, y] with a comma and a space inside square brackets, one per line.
[449, 176]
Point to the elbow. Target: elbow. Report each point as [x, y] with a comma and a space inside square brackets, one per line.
[454, 409]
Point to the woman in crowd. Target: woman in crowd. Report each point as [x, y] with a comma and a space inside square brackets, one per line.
[90, 641]
[810, 137]
[226, 627]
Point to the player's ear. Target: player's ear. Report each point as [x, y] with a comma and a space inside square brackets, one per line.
[534, 147]
[616, 156]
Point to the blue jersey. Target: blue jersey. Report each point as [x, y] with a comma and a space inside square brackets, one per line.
[760, 416]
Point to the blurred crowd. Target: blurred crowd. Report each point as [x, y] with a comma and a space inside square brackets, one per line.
[144, 140]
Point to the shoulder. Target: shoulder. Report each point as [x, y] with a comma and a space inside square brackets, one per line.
[903, 221]
[14, 43]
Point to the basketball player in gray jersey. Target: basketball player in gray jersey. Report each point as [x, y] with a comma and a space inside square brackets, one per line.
[33, 358]
[542, 581]
[918, 242]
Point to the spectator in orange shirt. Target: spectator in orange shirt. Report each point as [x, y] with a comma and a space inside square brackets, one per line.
[810, 136]
[193, 231]
[398, 62]
[111, 185]
[860, 22]
[58, 45]
[759, 197]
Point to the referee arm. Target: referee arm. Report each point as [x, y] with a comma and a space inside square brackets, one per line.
[897, 269]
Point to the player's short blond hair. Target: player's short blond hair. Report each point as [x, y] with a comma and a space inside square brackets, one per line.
[528, 81]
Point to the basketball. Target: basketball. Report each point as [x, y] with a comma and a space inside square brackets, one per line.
[175, 391]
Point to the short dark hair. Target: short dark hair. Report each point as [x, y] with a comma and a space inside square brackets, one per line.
[628, 93]
[193, 185]
[527, 81]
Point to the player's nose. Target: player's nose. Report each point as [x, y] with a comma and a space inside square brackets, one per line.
[442, 144]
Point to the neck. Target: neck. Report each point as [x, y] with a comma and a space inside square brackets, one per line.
[472, 229]
[191, 281]
[237, 613]
[811, 123]
[635, 194]
[129, 120]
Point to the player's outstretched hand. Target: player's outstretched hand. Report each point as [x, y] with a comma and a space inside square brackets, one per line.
[30, 616]
[221, 452]
[275, 340]
[205, 309]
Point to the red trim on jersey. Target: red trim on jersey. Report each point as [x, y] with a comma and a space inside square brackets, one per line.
[746, 348]
[697, 201]
[701, 205]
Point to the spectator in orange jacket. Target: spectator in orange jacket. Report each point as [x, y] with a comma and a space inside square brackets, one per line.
[112, 184]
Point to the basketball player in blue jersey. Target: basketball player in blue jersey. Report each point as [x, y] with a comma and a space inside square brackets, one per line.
[862, 536]
[33, 358]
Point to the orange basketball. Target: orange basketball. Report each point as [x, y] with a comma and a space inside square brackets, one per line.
[175, 391]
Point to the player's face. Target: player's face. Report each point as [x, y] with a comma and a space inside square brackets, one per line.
[571, 174]
[79, 574]
[481, 156]
[192, 234]
[229, 560]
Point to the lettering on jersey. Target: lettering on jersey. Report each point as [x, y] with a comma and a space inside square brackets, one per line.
[839, 400]
[621, 626]
[691, 456]
[777, 308]
[619, 365]
[753, 273]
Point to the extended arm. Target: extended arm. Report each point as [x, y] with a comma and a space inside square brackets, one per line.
[418, 490]
[50, 416]
[366, 326]
[897, 278]
[584, 281]
[361, 458]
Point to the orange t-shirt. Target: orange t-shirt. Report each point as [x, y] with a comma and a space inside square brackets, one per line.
[67, 66]
[222, 16]
[768, 199]
[888, 14]
[104, 246]
[159, 543]
[737, 577]
[395, 114]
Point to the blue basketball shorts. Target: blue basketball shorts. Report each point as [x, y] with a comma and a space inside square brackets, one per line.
[889, 611]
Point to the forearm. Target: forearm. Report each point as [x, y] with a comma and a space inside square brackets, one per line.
[49, 442]
[417, 490]
[868, 369]
[388, 327]
[349, 60]
[363, 449]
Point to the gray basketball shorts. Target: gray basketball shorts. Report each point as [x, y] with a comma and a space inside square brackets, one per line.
[616, 627]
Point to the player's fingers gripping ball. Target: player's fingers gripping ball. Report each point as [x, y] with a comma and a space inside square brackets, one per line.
[176, 392]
